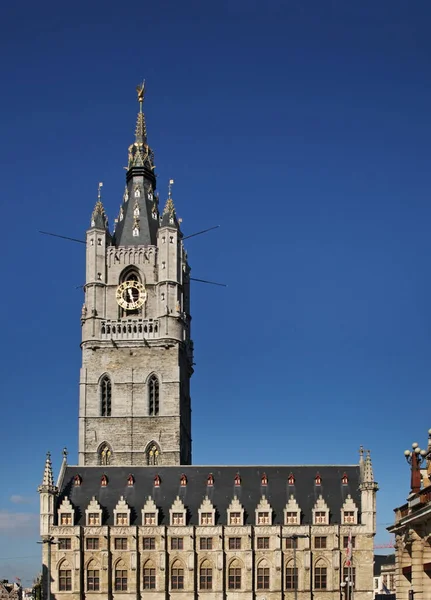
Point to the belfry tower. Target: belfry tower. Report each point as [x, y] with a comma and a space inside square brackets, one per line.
[137, 354]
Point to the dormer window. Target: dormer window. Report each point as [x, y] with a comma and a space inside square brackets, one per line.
[291, 518]
[291, 480]
[94, 518]
[264, 479]
[157, 481]
[150, 513]
[150, 519]
[183, 480]
[177, 512]
[210, 480]
[320, 517]
[93, 513]
[104, 481]
[130, 481]
[349, 512]
[207, 518]
[66, 519]
[237, 479]
[177, 518]
[318, 480]
[263, 518]
[137, 193]
[77, 480]
[345, 479]
[235, 518]
[122, 519]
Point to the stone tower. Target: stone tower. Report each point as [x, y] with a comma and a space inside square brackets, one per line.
[137, 355]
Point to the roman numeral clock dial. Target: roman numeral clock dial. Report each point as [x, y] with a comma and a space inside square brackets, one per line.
[131, 295]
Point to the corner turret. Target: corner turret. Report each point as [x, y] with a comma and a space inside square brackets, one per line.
[48, 492]
[368, 488]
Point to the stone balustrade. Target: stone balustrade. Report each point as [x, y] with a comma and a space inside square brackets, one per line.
[129, 329]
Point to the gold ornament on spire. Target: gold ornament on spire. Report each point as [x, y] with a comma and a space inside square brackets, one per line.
[141, 94]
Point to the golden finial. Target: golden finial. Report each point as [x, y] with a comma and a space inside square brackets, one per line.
[141, 93]
[99, 191]
[171, 183]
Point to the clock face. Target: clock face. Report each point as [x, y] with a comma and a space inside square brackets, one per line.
[131, 295]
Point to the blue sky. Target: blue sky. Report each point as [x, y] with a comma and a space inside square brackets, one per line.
[302, 129]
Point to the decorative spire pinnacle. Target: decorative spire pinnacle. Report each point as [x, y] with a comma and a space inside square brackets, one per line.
[169, 217]
[99, 218]
[141, 128]
[367, 474]
[48, 478]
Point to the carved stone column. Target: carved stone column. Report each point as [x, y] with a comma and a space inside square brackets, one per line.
[417, 562]
[401, 582]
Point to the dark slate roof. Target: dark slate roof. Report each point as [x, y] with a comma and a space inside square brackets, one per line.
[380, 560]
[221, 493]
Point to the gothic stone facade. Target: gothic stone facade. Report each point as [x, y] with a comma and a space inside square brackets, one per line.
[211, 532]
[134, 517]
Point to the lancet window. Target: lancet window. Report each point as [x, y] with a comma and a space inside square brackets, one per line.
[153, 396]
[105, 396]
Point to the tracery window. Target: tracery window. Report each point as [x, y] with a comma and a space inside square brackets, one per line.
[65, 578]
[320, 577]
[206, 576]
[120, 582]
[105, 456]
[153, 453]
[153, 396]
[149, 576]
[291, 577]
[263, 578]
[93, 577]
[105, 396]
[234, 575]
[177, 576]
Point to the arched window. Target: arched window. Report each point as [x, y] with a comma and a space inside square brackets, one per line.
[120, 583]
[234, 576]
[149, 576]
[93, 577]
[64, 577]
[262, 576]
[153, 454]
[320, 576]
[291, 576]
[153, 396]
[206, 576]
[105, 458]
[177, 576]
[105, 396]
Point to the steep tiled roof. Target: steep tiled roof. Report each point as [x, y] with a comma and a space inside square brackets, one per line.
[249, 492]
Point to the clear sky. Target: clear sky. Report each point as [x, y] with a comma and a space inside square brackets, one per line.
[300, 127]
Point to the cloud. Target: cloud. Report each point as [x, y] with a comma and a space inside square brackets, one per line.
[17, 499]
[18, 522]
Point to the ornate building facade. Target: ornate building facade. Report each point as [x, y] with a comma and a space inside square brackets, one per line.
[412, 529]
[134, 517]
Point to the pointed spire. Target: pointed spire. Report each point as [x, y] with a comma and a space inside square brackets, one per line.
[48, 477]
[367, 474]
[99, 218]
[132, 229]
[368, 469]
[169, 217]
[141, 128]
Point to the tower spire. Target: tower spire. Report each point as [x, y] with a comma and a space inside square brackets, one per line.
[141, 128]
[48, 477]
[98, 217]
[169, 217]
